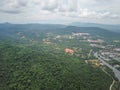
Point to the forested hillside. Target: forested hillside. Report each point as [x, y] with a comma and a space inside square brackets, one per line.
[26, 68]
[37, 57]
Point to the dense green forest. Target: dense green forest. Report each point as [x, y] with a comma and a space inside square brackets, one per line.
[33, 57]
[25, 68]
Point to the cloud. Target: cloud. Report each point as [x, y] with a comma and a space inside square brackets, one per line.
[86, 13]
[48, 5]
[56, 5]
[72, 9]
[12, 6]
[69, 8]
[96, 14]
[12, 11]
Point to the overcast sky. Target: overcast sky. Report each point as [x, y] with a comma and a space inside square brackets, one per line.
[60, 11]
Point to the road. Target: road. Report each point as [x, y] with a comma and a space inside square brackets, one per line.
[116, 72]
[112, 84]
[111, 77]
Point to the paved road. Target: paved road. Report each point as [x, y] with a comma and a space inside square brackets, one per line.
[112, 84]
[116, 72]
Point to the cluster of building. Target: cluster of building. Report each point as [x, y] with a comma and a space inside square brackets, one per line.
[97, 46]
[95, 41]
[80, 34]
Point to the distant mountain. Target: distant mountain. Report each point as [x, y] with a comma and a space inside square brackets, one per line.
[30, 26]
[115, 28]
[30, 30]
[7, 29]
[92, 30]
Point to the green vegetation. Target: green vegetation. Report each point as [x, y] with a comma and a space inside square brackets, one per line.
[25, 68]
[33, 57]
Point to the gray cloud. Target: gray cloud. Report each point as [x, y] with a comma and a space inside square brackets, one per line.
[11, 11]
[50, 5]
[67, 8]
[95, 9]
[12, 6]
